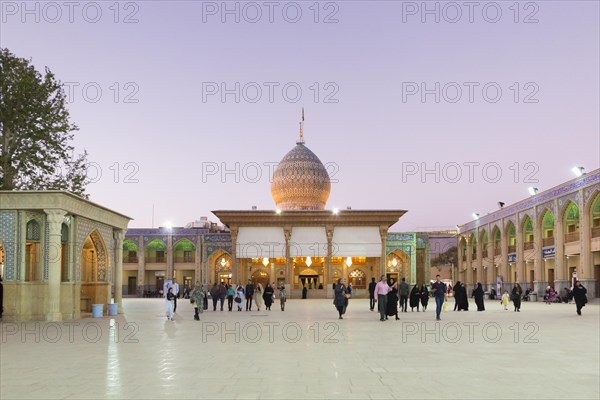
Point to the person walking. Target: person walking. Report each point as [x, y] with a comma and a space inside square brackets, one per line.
[372, 294]
[282, 297]
[579, 294]
[249, 293]
[169, 303]
[457, 292]
[339, 299]
[258, 296]
[381, 291]
[415, 298]
[439, 291]
[424, 297]
[392, 301]
[175, 287]
[268, 296]
[516, 294]
[197, 299]
[239, 297]
[403, 289]
[478, 294]
[230, 296]
[214, 295]
[222, 294]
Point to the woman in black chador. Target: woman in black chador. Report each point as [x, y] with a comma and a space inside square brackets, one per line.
[457, 291]
[478, 294]
[464, 299]
[392, 301]
[268, 296]
[339, 300]
[415, 297]
[579, 295]
[424, 297]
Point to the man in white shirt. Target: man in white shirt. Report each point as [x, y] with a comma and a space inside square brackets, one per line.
[175, 287]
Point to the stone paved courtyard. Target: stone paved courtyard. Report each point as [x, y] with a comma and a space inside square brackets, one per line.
[543, 352]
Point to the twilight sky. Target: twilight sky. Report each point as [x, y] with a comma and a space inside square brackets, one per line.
[183, 107]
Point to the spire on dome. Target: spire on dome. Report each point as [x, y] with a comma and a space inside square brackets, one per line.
[301, 139]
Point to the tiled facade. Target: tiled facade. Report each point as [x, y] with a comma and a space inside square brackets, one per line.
[535, 243]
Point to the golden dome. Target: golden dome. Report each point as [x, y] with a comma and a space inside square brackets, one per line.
[300, 181]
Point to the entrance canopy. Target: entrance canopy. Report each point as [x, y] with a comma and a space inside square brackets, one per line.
[308, 241]
[259, 242]
[356, 241]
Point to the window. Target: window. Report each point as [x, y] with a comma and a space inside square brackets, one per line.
[187, 256]
[32, 251]
[64, 253]
[160, 256]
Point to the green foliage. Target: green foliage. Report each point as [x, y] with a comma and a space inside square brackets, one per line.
[447, 257]
[36, 131]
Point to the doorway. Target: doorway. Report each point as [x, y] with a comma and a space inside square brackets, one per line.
[310, 281]
[531, 278]
[131, 285]
[391, 275]
[551, 277]
[160, 283]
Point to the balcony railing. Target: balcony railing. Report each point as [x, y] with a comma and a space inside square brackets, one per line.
[130, 259]
[512, 249]
[184, 259]
[528, 246]
[548, 241]
[572, 237]
[156, 259]
[596, 232]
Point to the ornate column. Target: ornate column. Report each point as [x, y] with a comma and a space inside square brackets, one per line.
[520, 264]
[170, 270]
[469, 271]
[235, 273]
[585, 273]
[328, 287]
[119, 235]
[491, 262]
[197, 260]
[507, 280]
[539, 267]
[560, 267]
[287, 231]
[141, 272]
[383, 233]
[54, 219]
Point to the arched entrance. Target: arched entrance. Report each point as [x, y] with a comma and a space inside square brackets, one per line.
[308, 277]
[222, 271]
[260, 276]
[95, 288]
[398, 266]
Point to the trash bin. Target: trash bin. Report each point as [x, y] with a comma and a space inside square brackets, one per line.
[113, 309]
[97, 310]
[533, 296]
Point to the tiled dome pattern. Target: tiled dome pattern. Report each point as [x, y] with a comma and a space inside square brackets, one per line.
[300, 181]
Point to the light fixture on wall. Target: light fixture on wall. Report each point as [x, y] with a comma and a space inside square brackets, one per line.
[475, 215]
[394, 262]
[278, 211]
[500, 204]
[578, 171]
[308, 261]
[348, 261]
[265, 261]
[223, 262]
[532, 190]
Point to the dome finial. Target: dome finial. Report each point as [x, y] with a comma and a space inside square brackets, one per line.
[301, 140]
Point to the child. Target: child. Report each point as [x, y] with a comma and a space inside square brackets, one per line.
[505, 299]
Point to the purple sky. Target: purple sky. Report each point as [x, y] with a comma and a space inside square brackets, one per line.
[373, 62]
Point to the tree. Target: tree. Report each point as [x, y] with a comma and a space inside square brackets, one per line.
[450, 256]
[36, 131]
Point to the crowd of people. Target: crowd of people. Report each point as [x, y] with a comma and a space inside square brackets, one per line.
[386, 294]
[249, 295]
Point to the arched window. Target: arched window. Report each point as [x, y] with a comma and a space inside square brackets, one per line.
[358, 279]
[33, 234]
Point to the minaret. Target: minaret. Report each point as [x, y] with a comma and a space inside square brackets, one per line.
[301, 139]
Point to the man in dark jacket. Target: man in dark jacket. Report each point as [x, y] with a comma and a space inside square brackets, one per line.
[372, 294]
[249, 294]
